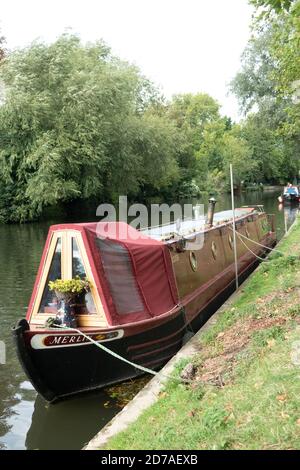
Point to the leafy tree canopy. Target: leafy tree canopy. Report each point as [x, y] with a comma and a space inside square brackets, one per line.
[73, 125]
[77, 123]
[277, 5]
[267, 87]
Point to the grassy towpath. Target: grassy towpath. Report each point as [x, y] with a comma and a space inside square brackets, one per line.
[246, 387]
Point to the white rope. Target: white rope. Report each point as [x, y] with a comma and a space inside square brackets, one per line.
[117, 356]
[257, 243]
[249, 249]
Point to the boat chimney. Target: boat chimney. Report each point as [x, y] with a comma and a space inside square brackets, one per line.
[211, 210]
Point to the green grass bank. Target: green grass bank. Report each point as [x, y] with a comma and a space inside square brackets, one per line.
[246, 386]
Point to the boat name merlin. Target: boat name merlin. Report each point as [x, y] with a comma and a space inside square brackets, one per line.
[50, 341]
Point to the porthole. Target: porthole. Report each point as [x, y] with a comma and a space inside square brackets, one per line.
[214, 250]
[193, 261]
[230, 241]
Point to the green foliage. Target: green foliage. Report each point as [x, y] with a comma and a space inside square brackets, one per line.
[276, 5]
[269, 84]
[191, 114]
[214, 142]
[193, 111]
[285, 49]
[74, 125]
[261, 338]
[70, 286]
[237, 152]
[255, 82]
[78, 123]
[188, 189]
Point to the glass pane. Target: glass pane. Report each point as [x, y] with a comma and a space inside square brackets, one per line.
[49, 299]
[122, 283]
[77, 264]
[87, 305]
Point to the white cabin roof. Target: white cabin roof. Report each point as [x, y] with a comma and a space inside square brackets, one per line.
[188, 227]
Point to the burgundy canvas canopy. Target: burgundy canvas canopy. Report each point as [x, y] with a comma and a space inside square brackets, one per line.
[133, 272]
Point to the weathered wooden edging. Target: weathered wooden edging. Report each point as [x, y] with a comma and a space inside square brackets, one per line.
[149, 394]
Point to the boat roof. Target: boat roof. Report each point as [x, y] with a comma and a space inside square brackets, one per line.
[162, 233]
[188, 227]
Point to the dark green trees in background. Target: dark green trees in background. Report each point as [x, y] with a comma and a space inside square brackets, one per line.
[77, 123]
[74, 125]
[268, 89]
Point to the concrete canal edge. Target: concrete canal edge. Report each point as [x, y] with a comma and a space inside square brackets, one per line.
[149, 394]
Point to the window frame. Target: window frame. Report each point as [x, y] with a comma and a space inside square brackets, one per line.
[93, 319]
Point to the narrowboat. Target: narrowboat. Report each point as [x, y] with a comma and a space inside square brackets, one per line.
[148, 293]
[290, 195]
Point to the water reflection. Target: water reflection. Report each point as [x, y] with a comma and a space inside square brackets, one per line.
[17, 414]
[26, 421]
[289, 214]
[70, 424]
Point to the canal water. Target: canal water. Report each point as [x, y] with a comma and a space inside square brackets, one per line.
[26, 420]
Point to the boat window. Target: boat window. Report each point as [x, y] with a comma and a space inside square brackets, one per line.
[119, 273]
[87, 305]
[193, 261]
[230, 241]
[49, 299]
[214, 249]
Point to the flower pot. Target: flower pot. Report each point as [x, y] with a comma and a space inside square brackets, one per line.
[66, 310]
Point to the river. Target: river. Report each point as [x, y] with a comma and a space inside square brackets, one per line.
[26, 420]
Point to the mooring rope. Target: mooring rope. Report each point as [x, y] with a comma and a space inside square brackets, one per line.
[257, 243]
[121, 358]
[249, 249]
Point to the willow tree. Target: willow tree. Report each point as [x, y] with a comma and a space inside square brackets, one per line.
[73, 126]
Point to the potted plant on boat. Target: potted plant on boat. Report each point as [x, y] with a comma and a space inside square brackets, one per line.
[70, 293]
